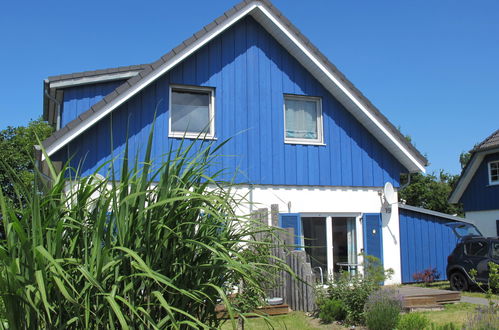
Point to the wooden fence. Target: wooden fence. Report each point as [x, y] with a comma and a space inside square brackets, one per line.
[297, 289]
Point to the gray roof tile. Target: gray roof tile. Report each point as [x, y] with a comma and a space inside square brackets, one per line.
[86, 115]
[489, 143]
[123, 87]
[221, 19]
[210, 26]
[109, 97]
[189, 41]
[179, 48]
[200, 33]
[230, 12]
[168, 56]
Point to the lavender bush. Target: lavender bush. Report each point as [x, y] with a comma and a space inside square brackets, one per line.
[382, 309]
[484, 318]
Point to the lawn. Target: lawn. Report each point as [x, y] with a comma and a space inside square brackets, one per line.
[455, 313]
[291, 321]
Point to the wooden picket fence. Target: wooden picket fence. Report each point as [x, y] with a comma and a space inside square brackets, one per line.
[297, 290]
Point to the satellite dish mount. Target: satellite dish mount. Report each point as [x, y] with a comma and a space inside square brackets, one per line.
[389, 196]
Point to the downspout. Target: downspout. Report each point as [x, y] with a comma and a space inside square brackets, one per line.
[58, 106]
[402, 187]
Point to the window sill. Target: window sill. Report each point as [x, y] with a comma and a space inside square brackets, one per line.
[191, 136]
[304, 142]
[493, 184]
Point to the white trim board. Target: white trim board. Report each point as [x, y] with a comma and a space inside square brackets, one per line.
[430, 212]
[91, 80]
[303, 54]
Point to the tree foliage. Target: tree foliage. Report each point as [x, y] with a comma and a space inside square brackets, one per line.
[16, 151]
[431, 192]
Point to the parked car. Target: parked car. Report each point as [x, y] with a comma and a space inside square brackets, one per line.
[471, 252]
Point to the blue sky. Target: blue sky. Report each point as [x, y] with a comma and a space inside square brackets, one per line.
[431, 67]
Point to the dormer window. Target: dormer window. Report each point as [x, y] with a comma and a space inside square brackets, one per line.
[494, 172]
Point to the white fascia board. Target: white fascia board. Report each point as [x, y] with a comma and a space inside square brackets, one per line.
[466, 177]
[200, 43]
[430, 212]
[91, 80]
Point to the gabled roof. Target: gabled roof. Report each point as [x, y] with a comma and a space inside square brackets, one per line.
[488, 146]
[294, 42]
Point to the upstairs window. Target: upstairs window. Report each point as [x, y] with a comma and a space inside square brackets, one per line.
[494, 172]
[192, 112]
[303, 120]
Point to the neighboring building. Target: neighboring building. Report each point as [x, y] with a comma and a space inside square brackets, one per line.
[304, 137]
[478, 186]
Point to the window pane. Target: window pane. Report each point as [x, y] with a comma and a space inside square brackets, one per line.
[301, 119]
[190, 112]
[478, 249]
[494, 171]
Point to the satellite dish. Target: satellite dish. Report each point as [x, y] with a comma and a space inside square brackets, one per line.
[389, 193]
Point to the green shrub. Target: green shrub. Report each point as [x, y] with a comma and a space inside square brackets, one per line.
[332, 310]
[382, 310]
[413, 321]
[157, 248]
[354, 290]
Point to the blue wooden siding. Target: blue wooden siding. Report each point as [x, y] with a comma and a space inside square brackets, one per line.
[425, 242]
[78, 99]
[479, 195]
[250, 73]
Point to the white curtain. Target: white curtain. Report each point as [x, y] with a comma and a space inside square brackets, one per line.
[301, 119]
[351, 241]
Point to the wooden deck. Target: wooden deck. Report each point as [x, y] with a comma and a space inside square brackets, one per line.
[421, 298]
[269, 310]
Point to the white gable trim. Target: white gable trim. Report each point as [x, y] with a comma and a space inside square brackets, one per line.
[468, 174]
[90, 80]
[387, 138]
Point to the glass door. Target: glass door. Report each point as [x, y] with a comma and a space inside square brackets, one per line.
[344, 244]
[315, 241]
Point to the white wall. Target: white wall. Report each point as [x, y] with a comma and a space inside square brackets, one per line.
[333, 201]
[485, 221]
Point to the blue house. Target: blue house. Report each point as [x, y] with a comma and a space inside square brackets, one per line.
[478, 186]
[303, 136]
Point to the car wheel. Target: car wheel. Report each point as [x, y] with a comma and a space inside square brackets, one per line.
[458, 282]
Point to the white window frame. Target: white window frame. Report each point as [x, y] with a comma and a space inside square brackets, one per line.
[491, 182]
[192, 135]
[320, 131]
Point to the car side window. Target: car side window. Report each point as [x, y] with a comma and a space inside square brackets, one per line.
[476, 249]
[495, 250]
